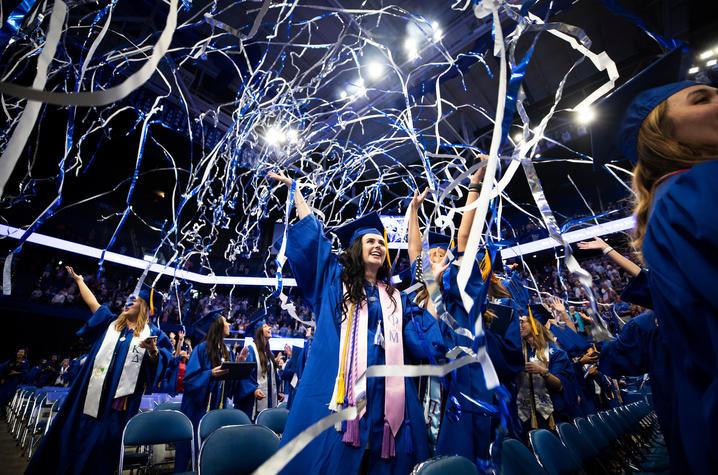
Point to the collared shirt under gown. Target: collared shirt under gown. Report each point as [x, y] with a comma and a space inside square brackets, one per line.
[317, 271]
[77, 443]
[680, 249]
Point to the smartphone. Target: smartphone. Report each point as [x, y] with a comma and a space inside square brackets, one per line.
[151, 338]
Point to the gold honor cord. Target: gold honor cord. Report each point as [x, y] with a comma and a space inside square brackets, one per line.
[340, 379]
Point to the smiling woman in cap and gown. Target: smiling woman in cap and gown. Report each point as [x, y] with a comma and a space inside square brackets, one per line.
[670, 132]
[128, 354]
[261, 390]
[361, 321]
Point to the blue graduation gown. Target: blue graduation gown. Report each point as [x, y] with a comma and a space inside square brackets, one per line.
[637, 350]
[77, 443]
[244, 394]
[31, 376]
[294, 367]
[680, 249]
[559, 365]
[518, 292]
[169, 381]
[471, 435]
[317, 271]
[10, 383]
[202, 393]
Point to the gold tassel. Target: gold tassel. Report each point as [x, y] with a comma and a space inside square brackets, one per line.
[340, 379]
[386, 243]
[152, 298]
[533, 322]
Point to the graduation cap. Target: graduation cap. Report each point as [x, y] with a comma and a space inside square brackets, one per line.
[619, 116]
[253, 325]
[367, 224]
[540, 314]
[154, 299]
[438, 240]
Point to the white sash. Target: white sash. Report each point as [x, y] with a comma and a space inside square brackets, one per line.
[262, 383]
[130, 369]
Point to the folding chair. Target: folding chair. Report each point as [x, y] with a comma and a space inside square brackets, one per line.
[237, 449]
[555, 458]
[274, 418]
[217, 418]
[516, 459]
[151, 428]
[446, 464]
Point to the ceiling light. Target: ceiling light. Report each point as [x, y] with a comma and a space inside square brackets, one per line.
[343, 94]
[538, 155]
[707, 54]
[293, 136]
[274, 136]
[585, 116]
[712, 62]
[375, 69]
[518, 138]
[693, 70]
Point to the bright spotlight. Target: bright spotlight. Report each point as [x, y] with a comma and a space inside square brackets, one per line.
[274, 136]
[707, 54]
[585, 116]
[360, 89]
[375, 70]
[693, 70]
[343, 94]
[293, 136]
[411, 45]
[538, 155]
[710, 63]
[518, 138]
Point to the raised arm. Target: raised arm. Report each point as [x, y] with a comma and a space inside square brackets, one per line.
[413, 231]
[85, 291]
[615, 256]
[303, 209]
[468, 217]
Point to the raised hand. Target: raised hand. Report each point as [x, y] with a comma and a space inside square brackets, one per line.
[439, 268]
[281, 177]
[76, 277]
[597, 243]
[243, 354]
[418, 199]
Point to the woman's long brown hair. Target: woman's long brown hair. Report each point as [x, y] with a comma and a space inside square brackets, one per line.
[659, 154]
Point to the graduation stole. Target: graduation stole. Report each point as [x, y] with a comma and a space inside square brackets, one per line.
[130, 368]
[353, 363]
[264, 382]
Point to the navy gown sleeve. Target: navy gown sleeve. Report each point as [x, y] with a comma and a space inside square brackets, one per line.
[164, 347]
[421, 331]
[95, 327]
[248, 385]
[627, 355]
[197, 374]
[310, 257]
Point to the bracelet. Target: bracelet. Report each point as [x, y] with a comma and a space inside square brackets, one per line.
[607, 250]
[545, 375]
[475, 187]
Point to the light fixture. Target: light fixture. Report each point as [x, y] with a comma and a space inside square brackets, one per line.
[693, 70]
[292, 136]
[274, 136]
[585, 115]
[712, 62]
[360, 89]
[436, 34]
[707, 54]
[375, 70]
[343, 94]
[411, 45]
[518, 138]
[538, 155]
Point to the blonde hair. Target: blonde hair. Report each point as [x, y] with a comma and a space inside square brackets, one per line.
[541, 341]
[659, 154]
[142, 318]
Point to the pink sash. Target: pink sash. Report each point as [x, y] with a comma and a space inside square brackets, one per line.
[354, 352]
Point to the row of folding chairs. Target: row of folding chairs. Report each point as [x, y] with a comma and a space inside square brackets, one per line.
[621, 440]
[30, 414]
[228, 441]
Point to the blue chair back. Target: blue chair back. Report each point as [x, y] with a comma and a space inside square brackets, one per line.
[581, 446]
[591, 433]
[516, 459]
[445, 465]
[157, 427]
[237, 450]
[168, 406]
[217, 418]
[275, 418]
[602, 427]
[553, 455]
